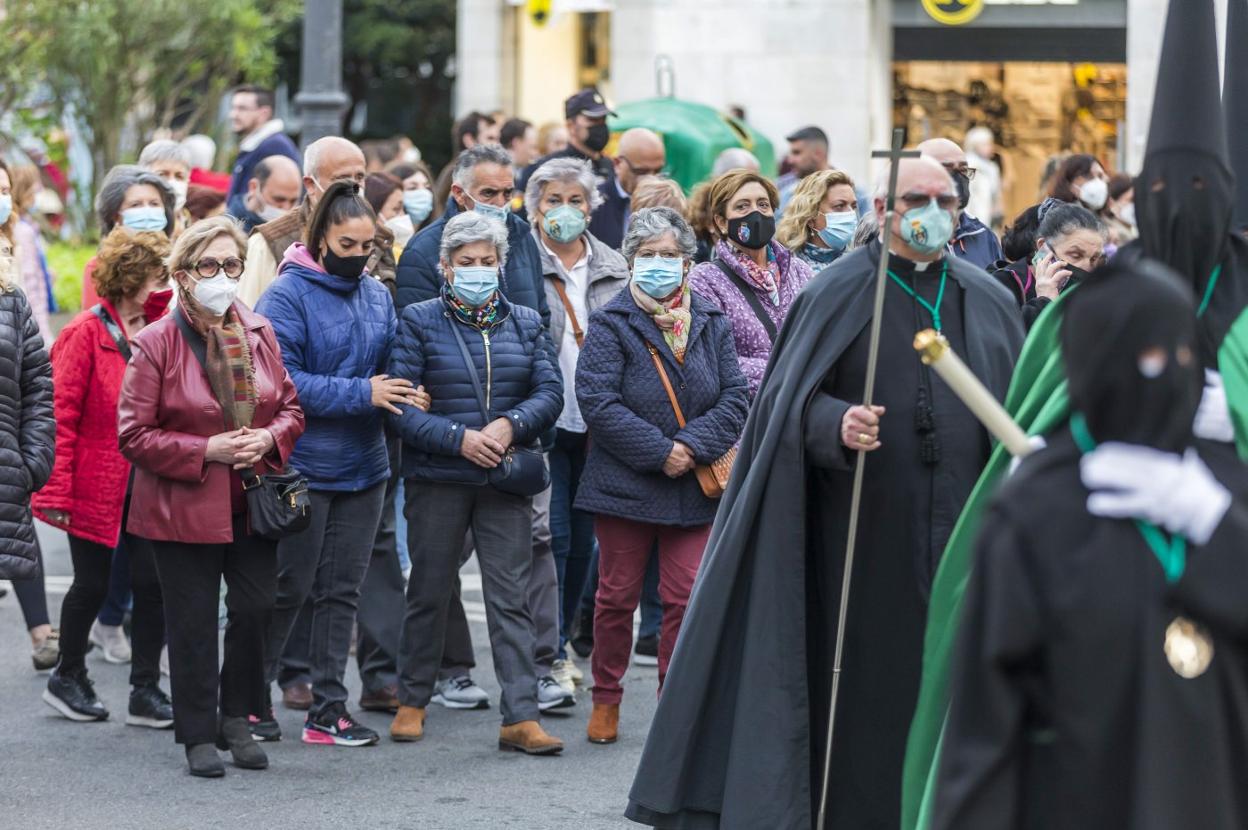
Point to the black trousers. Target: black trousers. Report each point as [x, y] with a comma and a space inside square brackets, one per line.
[32, 596]
[191, 576]
[86, 595]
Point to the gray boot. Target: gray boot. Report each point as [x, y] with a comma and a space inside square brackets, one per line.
[236, 737]
[204, 762]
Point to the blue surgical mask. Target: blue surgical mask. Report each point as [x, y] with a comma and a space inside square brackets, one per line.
[6, 208]
[475, 284]
[418, 204]
[927, 229]
[657, 276]
[840, 229]
[498, 214]
[564, 224]
[144, 218]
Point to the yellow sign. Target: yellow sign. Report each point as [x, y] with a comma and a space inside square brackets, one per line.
[953, 12]
[539, 11]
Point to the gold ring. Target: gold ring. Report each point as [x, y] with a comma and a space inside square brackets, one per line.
[863, 438]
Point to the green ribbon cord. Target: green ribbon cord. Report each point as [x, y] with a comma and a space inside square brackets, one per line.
[940, 295]
[1170, 552]
[1213, 282]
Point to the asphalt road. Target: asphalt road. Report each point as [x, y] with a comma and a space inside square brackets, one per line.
[55, 773]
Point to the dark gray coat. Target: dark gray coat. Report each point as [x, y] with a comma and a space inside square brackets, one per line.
[27, 433]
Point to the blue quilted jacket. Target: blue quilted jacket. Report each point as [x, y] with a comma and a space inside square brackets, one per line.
[513, 361]
[335, 334]
[631, 421]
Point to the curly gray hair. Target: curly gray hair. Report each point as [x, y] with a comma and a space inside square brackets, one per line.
[468, 227]
[468, 161]
[650, 223]
[165, 150]
[564, 171]
[113, 193]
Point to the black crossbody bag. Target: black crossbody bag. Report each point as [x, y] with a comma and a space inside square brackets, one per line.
[522, 472]
[277, 503]
[750, 297]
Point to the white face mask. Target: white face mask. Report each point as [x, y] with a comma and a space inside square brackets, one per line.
[216, 294]
[268, 212]
[179, 193]
[402, 228]
[1127, 213]
[1093, 193]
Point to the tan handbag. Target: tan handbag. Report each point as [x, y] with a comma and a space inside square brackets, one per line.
[713, 478]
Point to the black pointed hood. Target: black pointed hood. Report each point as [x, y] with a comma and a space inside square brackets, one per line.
[1185, 189]
[1235, 104]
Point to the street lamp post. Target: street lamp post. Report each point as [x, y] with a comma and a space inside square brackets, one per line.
[321, 100]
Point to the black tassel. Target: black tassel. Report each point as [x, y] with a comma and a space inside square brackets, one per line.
[925, 425]
[929, 449]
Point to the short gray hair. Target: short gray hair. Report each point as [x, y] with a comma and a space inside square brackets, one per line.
[467, 161]
[113, 193]
[468, 227]
[562, 170]
[165, 150]
[734, 158]
[650, 223]
[868, 230]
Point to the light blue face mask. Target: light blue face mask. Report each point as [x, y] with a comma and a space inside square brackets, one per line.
[839, 230]
[657, 276]
[564, 224]
[498, 214]
[144, 218]
[418, 204]
[927, 229]
[475, 284]
[6, 208]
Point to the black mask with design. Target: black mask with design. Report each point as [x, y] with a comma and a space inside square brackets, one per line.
[1129, 344]
[753, 231]
[347, 267]
[597, 137]
[963, 184]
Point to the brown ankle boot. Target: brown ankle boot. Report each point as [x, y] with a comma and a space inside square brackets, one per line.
[408, 724]
[604, 723]
[528, 737]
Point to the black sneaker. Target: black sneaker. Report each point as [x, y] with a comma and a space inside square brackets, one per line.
[150, 707]
[265, 728]
[582, 640]
[73, 695]
[646, 652]
[336, 727]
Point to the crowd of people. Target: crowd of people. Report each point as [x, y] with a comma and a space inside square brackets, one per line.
[543, 355]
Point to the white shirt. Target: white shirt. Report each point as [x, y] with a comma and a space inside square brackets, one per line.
[576, 283]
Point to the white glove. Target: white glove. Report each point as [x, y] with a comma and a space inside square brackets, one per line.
[1177, 492]
[1037, 443]
[1213, 418]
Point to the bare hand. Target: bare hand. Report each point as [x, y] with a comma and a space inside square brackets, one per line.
[421, 399]
[60, 517]
[501, 430]
[679, 461]
[481, 449]
[257, 444]
[860, 428]
[1051, 276]
[224, 447]
[388, 391]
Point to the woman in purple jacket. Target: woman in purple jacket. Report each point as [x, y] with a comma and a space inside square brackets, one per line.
[751, 278]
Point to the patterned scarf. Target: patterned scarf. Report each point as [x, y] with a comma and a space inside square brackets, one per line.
[671, 315]
[479, 318]
[227, 358]
[768, 279]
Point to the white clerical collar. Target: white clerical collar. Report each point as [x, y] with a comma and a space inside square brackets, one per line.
[918, 266]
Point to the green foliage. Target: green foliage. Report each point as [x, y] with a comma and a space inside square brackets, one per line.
[67, 263]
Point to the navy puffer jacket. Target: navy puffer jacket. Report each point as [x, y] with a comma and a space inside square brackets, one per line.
[517, 373]
[335, 334]
[631, 421]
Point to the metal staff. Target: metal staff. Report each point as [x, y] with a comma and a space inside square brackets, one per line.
[894, 156]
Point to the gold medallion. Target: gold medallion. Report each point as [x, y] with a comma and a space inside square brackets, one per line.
[1189, 648]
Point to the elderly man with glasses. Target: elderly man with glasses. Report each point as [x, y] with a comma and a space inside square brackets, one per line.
[972, 240]
[640, 153]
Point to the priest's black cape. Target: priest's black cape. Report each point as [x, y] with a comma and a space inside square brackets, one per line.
[732, 741]
[1066, 713]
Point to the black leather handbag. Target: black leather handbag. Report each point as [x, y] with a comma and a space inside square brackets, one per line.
[277, 503]
[523, 470]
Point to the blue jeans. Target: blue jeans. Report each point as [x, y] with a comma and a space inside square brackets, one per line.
[117, 603]
[400, 529]
[571, 530]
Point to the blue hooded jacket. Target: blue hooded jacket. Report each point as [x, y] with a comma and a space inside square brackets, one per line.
[335, 334]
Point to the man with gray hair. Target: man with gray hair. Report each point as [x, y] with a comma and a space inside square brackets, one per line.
[972, 240]
[172, 162]
[734, 158]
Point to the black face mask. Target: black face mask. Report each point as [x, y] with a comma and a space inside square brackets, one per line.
[1077, 275]
[963, 184]
[597, 137]
[1121, 313]
[347, 267]
[753, 231]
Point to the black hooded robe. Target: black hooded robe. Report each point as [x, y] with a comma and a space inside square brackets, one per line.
[737, 740]
[1066, 713]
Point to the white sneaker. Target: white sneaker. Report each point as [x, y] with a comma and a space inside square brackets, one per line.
[550, 695]
[164, 661]
[460, 693]
[567, 674]
[111, 640]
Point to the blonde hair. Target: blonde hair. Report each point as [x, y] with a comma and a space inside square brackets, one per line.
[806, 204]
[656, 191]
[192, 241]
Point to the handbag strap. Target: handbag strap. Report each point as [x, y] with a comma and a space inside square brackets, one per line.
[567, 306]
[114, 331]
[667, 385]
[472, 367]
[751, 297]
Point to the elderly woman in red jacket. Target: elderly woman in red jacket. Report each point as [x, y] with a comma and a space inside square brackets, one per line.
[189, 429]
[88, 495]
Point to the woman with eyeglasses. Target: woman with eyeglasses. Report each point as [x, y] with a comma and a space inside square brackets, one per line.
[189, 425]
[1070, 242]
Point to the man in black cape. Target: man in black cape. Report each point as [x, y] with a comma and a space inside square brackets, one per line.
[1101, 676]
[738, 738]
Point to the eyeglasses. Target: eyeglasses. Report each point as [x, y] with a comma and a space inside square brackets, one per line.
[918, 200]
[209, 267]
[963, 168]
[644, 171]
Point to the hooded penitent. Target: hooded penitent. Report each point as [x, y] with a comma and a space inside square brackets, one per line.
[1235, 103]
[1144, 387]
